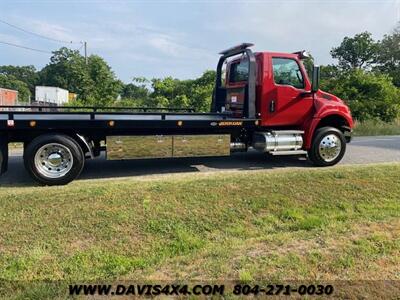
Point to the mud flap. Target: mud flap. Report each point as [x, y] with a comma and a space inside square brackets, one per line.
[3, 155]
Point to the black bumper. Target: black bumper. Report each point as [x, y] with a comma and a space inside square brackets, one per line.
[348, 135]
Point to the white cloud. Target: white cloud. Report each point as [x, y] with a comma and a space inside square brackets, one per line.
[157, 38]
[9, 38]
[315, 26]
[165, 45]
[52, 30]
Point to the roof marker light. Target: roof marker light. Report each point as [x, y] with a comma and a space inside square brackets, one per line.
[302, 54]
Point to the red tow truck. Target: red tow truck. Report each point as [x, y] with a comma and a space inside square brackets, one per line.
[261, 100]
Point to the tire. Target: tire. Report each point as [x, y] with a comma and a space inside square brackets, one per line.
[54, 159]
[328, 147]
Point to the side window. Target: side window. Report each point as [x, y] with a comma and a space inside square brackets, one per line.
[223, 74]
[239, 71]
[287, 72]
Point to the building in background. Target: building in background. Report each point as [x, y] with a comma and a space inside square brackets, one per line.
[51, 95]
[8, 97]
[72, 97]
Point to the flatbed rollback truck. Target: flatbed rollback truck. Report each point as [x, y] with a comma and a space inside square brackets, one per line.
[261, 100]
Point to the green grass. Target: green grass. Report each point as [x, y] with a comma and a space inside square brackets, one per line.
[325, 224]
[372, 127]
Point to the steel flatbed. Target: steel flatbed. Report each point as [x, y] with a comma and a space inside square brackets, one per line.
[116, 120]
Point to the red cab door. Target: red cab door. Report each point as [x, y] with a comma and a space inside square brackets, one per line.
[285, 97]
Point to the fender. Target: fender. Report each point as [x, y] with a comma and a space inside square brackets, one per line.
[3, 155]
[312, 124]
[88, 147]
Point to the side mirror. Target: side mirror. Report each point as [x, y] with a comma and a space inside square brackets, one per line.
[315, 79]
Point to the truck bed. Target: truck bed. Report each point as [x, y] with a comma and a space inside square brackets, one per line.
[115, 120]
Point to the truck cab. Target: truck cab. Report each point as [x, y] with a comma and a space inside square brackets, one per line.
[275, 88]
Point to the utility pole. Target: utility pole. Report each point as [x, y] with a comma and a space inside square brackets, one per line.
[85, 46]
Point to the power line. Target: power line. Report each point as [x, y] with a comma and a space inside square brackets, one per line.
[37, 34]
[24, 47]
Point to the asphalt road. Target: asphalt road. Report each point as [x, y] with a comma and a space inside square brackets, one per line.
[362, 150]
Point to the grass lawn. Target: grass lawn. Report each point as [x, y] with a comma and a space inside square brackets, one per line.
[315, 224]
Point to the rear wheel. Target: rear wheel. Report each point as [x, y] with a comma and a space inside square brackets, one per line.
[54, 159]
[328, 147]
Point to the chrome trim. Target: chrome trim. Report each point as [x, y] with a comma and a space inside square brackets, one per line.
[85, 142]
[275, 141]
[237, 146]
[137, 147]
[201, 145]
[53, 160]
[329, 148]
[290, 152]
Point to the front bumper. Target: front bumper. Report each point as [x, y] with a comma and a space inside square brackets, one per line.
[348, 135]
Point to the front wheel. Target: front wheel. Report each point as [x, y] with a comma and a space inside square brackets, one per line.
[328, 147]
[54, 159]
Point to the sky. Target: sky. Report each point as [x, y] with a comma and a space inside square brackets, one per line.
[182, 38]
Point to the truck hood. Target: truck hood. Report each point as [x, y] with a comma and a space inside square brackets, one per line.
[329, 97]
[327, 103]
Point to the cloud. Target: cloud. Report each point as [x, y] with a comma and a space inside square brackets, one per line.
[294, 25]
[165, 45]
[4, 37]
[156, 38]
[47, 29]
[144, 41]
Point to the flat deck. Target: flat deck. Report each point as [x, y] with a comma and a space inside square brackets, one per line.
[117, 122]
[108, 116]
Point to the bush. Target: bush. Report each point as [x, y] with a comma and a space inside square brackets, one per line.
[369, 95]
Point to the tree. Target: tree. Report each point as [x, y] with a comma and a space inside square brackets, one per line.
[105, 87]
[369, 95]
[95, 83]
[169, 92]
[190, 93]
[358, 52]
[137, 90]
[10, 82]
[26, 74]
[67, 70]
[388, 59]
[201, 90]
[308, 64]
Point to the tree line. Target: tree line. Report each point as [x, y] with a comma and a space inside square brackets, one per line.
[366, 76]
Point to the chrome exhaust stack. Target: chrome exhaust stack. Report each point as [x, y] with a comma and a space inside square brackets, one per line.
[238, 147]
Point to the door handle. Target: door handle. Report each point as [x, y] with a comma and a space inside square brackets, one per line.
[272, 106]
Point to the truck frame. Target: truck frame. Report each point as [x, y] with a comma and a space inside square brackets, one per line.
[253, 106]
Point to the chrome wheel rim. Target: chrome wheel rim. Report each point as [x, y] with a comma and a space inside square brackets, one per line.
[53, 160]
[330, 147]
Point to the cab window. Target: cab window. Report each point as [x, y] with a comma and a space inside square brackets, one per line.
[239, 71]
[287, 72]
